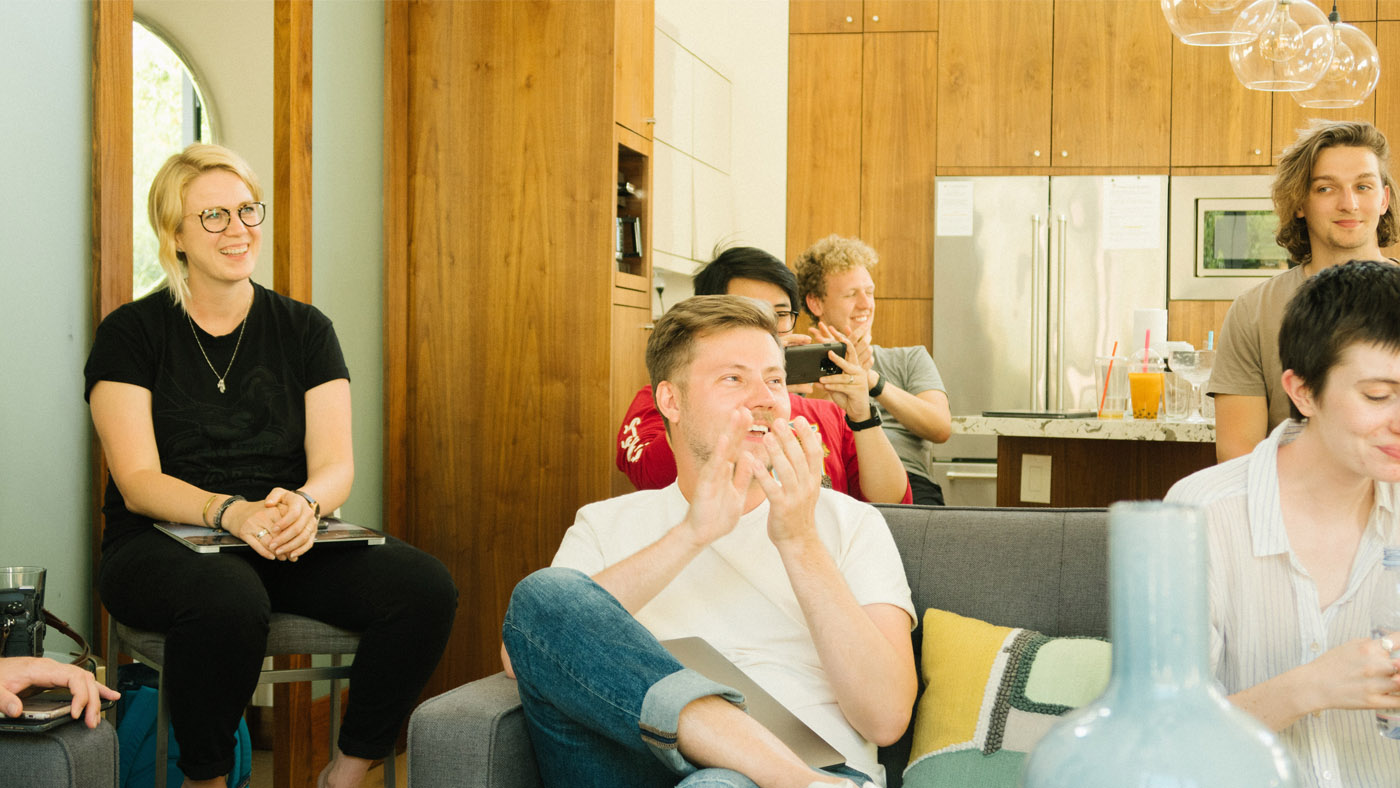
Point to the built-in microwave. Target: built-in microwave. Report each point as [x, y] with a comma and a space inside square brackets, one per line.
[1221, 240]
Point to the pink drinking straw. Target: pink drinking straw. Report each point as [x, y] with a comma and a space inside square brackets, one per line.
[1146, 348]
[1108, 376]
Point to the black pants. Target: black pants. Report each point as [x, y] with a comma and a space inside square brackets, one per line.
[926, 492]
[214, 609]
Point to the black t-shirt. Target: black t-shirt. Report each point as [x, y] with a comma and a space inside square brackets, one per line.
[245, 441]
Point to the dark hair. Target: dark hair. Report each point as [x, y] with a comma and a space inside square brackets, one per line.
[1293, 179]
[671, 346]
[1345, 305]
[745, 262]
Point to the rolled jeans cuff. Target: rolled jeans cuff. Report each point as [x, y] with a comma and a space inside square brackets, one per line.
[661, 713]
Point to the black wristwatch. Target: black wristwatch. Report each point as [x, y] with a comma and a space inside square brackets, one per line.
[873, 421]
[878, 389]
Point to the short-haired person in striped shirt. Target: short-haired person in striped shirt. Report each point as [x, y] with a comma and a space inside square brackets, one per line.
[1296, 531]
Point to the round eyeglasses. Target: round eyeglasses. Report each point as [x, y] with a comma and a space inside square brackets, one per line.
[787, 321]
[216, 220]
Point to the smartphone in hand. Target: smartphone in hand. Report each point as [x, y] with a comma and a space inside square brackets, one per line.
[809, 363]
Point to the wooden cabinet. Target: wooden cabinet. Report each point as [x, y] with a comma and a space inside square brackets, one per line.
[862, 110]
[1111, 96]
[1216, 121]
[855, 16]
[994, 83]
[898, 115]
[1387, 95]
[1387, 10]
[635, 37]
[1289, 117]
[1038, 84]
[824, 146]
[501, 285]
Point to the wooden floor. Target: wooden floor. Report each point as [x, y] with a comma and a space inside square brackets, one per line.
[262, 771]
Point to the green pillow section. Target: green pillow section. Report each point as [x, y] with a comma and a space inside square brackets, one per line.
[990, 694]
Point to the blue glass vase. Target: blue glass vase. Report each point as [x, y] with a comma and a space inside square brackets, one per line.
[1162, 721]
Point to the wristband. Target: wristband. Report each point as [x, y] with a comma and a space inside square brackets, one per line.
[878, 388]
[204, 515]
[315, 506]
[873, 421]
[223, 507]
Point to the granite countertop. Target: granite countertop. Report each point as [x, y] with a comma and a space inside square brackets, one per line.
[1091, 429]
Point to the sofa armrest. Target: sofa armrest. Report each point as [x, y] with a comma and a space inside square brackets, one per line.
[473, 736]
[69, 756]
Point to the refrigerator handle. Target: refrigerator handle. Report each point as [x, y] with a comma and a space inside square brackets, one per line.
[1057, 382]
[1037, 298]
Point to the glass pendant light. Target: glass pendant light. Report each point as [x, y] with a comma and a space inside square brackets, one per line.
[1292, 51]
[1353, 74]
[1210, 22]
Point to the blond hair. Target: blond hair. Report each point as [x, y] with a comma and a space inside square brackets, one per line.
[827, 257]
[1293, 180]
[671, 346]
[165, 205]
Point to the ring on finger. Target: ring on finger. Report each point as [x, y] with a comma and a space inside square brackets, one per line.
[260, 534]
[1388, 645]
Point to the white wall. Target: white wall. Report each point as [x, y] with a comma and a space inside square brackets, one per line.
[701, 43]
[45, 166]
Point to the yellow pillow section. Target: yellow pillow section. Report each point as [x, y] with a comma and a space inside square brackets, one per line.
[990, 694]
[957, 651]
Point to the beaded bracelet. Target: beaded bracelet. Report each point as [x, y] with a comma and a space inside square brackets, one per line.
[223, 507]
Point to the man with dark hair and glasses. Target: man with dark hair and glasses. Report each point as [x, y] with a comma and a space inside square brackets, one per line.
[861, 463]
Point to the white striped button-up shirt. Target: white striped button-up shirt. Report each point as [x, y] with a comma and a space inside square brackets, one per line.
[1266, 618]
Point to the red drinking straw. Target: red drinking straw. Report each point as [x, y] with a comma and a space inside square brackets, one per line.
[1108, 376]
[1146, 348]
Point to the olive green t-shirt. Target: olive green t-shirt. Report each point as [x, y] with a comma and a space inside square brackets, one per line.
[1246, 359]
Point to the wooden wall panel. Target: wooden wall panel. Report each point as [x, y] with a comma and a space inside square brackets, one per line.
[291, 148]
[111, 216]
[901, 322]
[506, 215]
[824, 128]
[900, 111]
[1188, 321]
[1387, 95]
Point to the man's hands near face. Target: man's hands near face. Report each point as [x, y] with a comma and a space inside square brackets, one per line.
[723, 486]
[795, 453]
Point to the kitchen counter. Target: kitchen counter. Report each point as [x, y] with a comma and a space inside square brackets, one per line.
[1088, 462]
[1089, 429]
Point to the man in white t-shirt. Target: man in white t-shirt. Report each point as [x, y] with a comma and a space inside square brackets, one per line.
[1296, 530]
[802, 587]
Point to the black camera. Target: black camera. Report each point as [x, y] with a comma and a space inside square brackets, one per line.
[21, 622]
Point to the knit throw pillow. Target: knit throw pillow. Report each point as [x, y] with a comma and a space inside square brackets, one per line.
[990, 694]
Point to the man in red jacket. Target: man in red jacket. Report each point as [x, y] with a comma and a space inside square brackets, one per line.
[859, 459]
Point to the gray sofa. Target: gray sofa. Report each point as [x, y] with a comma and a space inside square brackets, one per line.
[1043, 569]
[69, 756]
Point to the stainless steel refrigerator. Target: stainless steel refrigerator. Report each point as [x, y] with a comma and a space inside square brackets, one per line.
[1034, 276]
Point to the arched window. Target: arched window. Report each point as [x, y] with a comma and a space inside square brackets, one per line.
[168, 113]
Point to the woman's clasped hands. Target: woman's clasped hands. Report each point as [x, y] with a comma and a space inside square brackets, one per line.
[282, 526]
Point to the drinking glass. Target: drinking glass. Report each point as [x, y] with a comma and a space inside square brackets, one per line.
[1194, 366]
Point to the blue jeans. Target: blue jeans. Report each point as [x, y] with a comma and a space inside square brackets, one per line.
[602, 698]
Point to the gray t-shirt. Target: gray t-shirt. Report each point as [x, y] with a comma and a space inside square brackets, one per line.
[1246, 361]
[911, 369]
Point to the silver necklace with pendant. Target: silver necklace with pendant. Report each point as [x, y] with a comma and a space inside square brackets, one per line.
[236, 345]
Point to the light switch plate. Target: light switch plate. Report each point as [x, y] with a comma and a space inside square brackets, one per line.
[1035, 478]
